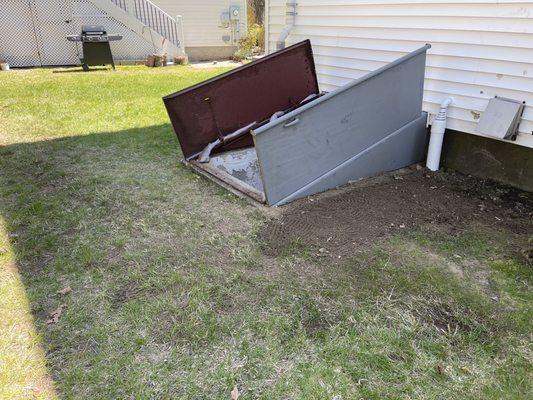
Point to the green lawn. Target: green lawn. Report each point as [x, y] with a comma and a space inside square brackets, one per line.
[173, 295]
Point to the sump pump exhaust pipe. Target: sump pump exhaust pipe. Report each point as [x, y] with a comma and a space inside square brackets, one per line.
[437, 136]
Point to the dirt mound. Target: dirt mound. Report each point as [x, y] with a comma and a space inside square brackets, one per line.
[341, 222]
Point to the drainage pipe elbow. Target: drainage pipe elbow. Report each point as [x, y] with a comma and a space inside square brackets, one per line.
[283, 36]
[289, 24]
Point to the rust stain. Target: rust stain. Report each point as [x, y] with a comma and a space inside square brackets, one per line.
[219, 106]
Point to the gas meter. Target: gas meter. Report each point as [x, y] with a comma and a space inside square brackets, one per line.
[234, 12]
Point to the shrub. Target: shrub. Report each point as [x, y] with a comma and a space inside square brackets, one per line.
[252, 43]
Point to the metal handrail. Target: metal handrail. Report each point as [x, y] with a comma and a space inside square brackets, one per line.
[120, 3]
[153, 17]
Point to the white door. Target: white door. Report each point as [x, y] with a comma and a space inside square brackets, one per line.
[53, 22]
[18, 40]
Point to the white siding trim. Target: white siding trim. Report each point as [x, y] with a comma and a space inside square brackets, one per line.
[267, 25]
[480, 48]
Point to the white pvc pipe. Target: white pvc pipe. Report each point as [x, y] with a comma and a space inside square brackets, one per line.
[276, 115]
[181, 34]
[437, 136]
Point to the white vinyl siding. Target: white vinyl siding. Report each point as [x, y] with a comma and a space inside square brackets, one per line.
[480, 49]
[201, 19]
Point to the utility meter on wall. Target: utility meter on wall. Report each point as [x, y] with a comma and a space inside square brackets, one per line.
[230, 19]
[225, 19]
[234, 12]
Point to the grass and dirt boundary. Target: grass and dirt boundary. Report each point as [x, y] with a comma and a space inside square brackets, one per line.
[407, 286]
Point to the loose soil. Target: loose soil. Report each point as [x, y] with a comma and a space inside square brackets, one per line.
[342, 222]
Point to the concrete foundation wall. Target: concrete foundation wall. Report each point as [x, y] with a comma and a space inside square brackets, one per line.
[488, 158]
[208, 53]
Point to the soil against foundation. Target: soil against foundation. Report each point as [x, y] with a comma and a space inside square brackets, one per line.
[344, 221]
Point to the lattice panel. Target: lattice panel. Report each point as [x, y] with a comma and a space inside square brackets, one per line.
[53, 22]
[131, 47]
[17, 37]
[33, 32]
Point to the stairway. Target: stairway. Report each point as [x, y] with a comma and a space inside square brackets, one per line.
[150, 22]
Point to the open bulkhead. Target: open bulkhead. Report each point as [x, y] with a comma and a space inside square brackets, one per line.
[266, 130]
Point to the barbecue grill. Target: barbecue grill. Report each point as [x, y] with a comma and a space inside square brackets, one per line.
[96, 49]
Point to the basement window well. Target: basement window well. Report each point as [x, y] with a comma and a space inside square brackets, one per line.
[266, 130]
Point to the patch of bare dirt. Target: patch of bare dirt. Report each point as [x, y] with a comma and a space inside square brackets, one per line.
[344, 221]
[444, 318]
[127, 292]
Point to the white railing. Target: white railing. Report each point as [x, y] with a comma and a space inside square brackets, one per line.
[153, 17]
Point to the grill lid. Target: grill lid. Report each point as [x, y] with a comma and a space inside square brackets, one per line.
[93, 30]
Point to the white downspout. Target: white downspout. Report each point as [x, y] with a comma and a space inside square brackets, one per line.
[437, 136]
[289, 24]
[181, 37]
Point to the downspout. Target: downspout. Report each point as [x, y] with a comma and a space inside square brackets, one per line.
[181, 35]
[437, 136]
[290, 17]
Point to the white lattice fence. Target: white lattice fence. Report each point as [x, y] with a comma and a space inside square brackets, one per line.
[33, 32]
[53, 22]
[18, 45]
[131, 47]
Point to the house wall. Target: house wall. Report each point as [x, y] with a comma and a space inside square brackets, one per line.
[202, 24]
[480, 48]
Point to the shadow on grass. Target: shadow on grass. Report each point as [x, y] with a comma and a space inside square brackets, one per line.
[74, 209]
[168, 298]
[76, 70]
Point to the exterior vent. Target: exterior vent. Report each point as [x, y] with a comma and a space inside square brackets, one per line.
[501, 118]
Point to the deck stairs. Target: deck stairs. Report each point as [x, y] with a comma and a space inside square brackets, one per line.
[146, 19]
